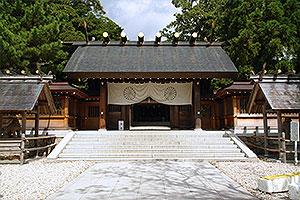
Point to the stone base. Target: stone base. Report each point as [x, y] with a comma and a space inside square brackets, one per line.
[294, 191]
[280, 184]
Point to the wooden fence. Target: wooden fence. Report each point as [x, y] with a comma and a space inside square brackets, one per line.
[22, 150]
[281, 147]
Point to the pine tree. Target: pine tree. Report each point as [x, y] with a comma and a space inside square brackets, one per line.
[31, 31]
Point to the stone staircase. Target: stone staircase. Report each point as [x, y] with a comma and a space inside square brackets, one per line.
[150, 145]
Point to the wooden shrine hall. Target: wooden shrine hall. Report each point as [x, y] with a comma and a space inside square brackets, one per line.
[148, 83]
[23, 96]
[280, 94]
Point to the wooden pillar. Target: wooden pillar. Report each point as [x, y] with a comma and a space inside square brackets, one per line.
[176, 116]
[235, 111]
[197, 116]
[225, 113]
[129, 116]
[281, 144]
[22, 147]
[265, 129]
[66, 112]
[217, 117]
[213, 112]
[24, 122]
[1, 122]
[75, 114]
[238, 103]
[124, 116]
[103, 86]
[84, 111]
[36, 121]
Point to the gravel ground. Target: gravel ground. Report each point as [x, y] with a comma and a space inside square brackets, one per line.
[37, 179]
[247, 174]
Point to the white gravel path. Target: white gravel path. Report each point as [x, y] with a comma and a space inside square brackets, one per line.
[247, 173]
[37, 179]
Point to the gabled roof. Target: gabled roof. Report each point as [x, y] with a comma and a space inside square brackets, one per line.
[66, 88]
[240, 86]
[20, 95]
[278, 93]
[235, 88]
[134, 61]
[282, 96]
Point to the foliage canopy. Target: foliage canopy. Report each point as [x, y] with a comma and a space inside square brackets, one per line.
[256, 32]
[31, 31]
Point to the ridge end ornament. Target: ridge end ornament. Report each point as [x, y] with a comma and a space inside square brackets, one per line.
[129, 93]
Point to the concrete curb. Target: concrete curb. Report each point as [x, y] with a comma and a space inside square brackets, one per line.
[252, 156]
[60, 147]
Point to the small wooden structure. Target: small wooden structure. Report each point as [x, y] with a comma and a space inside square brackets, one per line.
[25, 95]
[275, 94]
[230, 104]
[69, 103]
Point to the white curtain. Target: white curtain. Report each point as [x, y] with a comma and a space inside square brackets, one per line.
[165, 93]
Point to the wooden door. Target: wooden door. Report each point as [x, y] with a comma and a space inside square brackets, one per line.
[92, 115]
[206, 117]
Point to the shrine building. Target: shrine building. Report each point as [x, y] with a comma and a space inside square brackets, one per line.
[146, 83]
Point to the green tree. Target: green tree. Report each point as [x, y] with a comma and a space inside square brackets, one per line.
[256, 32]
[31, 31]
[196, 16]
[28, 35]
[261, 32]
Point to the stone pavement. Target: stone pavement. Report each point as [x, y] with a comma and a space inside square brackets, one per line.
[152, 180]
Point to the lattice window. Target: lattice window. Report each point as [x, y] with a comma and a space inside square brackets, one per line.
[243, 105]
[205, 111]
[57, 103]
[93, 111]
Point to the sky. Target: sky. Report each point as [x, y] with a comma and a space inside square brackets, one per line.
[134, 16]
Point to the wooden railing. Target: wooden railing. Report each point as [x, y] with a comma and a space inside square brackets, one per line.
[24, 150]
[267, 138]
[48, 144]
[281, 148]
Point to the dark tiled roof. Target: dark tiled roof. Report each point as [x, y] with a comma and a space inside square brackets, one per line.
[281, 92]
[282, 96]
[64, 87]
[19, 97]
[240, 86]
[236, 87]
[61, 86]
[97, 59]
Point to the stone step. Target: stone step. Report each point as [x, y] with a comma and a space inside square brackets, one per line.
[233, 150]
[191, 142]
[151, 145]
[149, 155]
[10, 145]
[147, 135]
[139, 138]
[155, 159]
[205, 146]
[148, 138]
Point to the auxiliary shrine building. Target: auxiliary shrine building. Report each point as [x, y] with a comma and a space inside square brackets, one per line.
[146, 83]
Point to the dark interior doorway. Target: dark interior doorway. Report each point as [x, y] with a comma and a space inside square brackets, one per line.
[150, 115]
